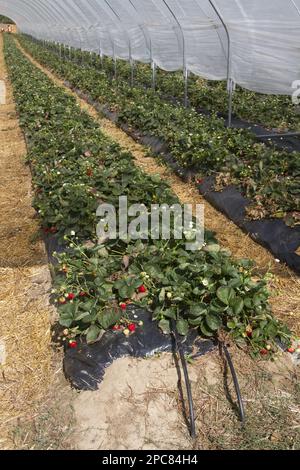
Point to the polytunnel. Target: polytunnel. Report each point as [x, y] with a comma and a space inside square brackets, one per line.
[253, 44]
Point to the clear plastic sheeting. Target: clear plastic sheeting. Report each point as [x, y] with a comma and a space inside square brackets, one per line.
[255, 43]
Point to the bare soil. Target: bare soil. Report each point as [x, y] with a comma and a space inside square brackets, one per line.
[138, 406]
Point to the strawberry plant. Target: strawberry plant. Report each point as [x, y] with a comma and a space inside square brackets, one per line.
[205, 290]
[75, 167]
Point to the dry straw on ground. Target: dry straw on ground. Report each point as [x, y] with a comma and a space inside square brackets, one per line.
[26, 368]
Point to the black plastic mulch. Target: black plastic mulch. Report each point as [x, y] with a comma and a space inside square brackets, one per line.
[85, 366]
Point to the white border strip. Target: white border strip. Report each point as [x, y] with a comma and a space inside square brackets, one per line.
[2, 92]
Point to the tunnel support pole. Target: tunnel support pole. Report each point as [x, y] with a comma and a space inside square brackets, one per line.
[230, 83]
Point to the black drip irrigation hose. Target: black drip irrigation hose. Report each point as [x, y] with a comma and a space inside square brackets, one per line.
[235, 381]
[179, 348]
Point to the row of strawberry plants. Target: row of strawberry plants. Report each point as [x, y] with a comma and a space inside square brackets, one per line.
[274, 111]
[74, 168]
[269, 177]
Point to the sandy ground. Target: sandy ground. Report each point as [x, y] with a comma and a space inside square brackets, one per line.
[138, 405]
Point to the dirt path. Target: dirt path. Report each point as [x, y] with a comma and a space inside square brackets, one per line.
[138, 406]
[285, 285]
[25, 355]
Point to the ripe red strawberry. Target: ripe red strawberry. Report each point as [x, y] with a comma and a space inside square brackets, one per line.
[132, 327]
[123, 306]
[291, 350]
[263, 352]
[82, 294]
[46, 230]
[71, 296]
[249, 334]
[53, 230]
[73, 344]
[142, 289]
[199, 181]
[116, 328]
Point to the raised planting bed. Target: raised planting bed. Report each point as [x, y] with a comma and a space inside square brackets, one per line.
[96, 286]
[266, 179]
